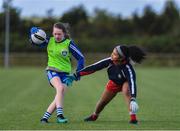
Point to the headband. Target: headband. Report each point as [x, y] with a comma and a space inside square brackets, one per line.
[120, 51]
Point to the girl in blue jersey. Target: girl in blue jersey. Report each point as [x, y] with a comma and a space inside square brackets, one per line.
[122, 78]
[59, 50]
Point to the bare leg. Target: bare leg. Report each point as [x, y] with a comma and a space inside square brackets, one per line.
[59, 97]
[106, 97]
[52, 107]
[57, 103]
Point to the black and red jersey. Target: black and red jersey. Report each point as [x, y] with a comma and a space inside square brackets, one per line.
[117, 73]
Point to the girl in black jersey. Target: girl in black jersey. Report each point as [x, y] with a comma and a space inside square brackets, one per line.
[122, 78]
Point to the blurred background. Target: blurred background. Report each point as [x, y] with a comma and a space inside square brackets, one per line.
[96, 26]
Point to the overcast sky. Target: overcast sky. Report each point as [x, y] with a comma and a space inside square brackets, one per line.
[123, 7]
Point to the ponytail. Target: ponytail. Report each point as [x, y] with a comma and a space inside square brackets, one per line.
[131, 53]
[136, 54]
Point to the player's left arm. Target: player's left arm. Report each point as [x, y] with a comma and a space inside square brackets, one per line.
[77, 55]
[131, 78]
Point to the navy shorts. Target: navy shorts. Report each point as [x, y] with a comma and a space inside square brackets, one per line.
[61, 75]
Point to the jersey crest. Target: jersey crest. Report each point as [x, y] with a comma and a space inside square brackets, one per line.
[64, 53]
[119, 76]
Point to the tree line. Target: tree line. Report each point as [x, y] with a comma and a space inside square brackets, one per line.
[157, 33]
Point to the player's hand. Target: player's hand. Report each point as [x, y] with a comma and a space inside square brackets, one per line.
[32, 31]
[74, 77]
[68, 81]
[134, 106]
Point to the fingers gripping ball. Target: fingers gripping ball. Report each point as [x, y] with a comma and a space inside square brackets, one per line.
[38, 36]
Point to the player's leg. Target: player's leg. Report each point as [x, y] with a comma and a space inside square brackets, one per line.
[55, 81]
[106, 97]
[127, 97]
[59, 98]
[49, 111]
[52, 106]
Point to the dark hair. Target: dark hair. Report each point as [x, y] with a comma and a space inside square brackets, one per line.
[133, 53]
[64, 27]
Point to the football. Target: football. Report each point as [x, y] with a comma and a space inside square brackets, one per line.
[38, 36]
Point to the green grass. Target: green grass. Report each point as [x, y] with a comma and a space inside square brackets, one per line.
[25, 95]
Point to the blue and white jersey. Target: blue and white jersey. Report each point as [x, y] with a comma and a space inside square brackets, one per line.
[77, 55]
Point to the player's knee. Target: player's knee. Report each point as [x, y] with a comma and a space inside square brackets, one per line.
[60, 88]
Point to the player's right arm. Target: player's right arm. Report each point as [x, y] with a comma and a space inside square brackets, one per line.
[94, 67]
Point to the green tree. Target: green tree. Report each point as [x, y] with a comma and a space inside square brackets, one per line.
[169, 17]
[103, 24]
[75, 16]
[146, 24]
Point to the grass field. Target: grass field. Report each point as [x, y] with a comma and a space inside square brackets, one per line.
[25, 94]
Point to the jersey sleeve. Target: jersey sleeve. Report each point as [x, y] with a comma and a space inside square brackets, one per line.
[94, 67]
[77, 55]
[131, 78]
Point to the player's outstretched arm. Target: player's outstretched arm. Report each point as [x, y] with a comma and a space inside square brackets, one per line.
[91, 69]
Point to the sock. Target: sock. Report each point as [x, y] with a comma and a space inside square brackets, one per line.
[46, 115]
[59, 111]
[132, 116]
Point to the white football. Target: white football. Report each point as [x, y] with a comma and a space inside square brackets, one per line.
[39, 37]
